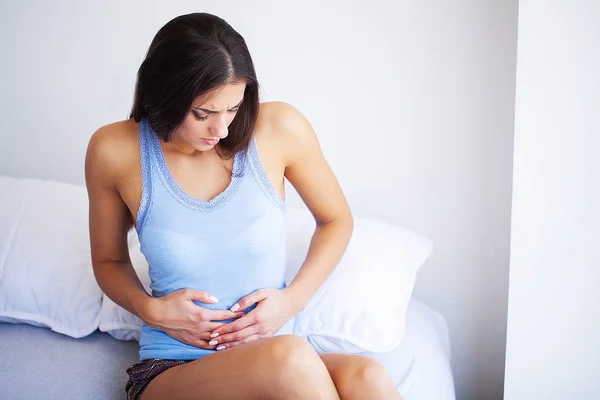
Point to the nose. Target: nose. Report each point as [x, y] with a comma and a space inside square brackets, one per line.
[219, 127]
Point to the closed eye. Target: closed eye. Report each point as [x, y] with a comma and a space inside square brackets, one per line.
[204, 118]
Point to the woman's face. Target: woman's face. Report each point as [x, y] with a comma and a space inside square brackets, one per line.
[210, 116]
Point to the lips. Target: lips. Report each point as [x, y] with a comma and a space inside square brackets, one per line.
[211, 142]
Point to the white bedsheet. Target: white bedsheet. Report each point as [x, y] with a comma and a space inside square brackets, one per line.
[420, 366]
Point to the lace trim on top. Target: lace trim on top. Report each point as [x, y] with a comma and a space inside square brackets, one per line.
[261, 176]
[187, 199]
[146, 199]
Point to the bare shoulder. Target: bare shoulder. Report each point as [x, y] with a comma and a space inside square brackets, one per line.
[286, 129]
[112, 151]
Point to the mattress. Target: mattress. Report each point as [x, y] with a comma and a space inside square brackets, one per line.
[420, 365]
[38, 363]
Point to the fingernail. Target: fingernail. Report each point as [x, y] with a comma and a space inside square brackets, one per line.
[213, 298]
[220, 348]
[213, 342]
[235, 307]
[214, 335]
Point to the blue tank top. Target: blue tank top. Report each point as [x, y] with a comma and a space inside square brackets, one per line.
[229, 246]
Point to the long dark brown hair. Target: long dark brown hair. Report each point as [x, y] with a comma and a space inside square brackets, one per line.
[190, 56]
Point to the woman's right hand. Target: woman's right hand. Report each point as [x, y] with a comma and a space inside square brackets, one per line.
[179, 317]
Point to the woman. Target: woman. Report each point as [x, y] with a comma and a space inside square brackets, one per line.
[198, 169]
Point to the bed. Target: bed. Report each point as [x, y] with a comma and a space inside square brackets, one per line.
[41, 364]
[59, 334]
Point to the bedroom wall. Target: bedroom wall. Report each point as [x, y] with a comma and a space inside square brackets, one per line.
[553, 343]
[412, 102]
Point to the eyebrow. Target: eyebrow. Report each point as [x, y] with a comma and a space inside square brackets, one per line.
[216, 112]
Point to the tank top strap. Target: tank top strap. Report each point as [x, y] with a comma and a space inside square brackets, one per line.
[260, 175]
[147, 167]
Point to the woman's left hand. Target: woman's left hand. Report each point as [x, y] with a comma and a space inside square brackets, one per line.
[274, 308]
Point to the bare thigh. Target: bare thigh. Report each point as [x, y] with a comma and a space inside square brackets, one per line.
[281, 367]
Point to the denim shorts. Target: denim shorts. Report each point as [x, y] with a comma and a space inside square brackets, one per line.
[141, 373]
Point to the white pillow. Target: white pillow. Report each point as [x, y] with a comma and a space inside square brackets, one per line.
[47, 278]
[362, 305]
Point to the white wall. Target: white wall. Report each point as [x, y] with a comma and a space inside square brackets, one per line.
[412, 102]
[553, 342]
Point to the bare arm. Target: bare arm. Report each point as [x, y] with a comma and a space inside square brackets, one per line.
[109, 223]
[309, 173]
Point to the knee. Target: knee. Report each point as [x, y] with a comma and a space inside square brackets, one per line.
[363, 374]
[298, 371]
[291, 355]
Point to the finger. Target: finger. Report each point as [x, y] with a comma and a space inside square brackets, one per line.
[237, 335]
[248, 339]
[220, 315]
[211, 326]
[200, 295]
[238, 325]
[247, 301]
[205, 336]
[203, 344]
[208, 328]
